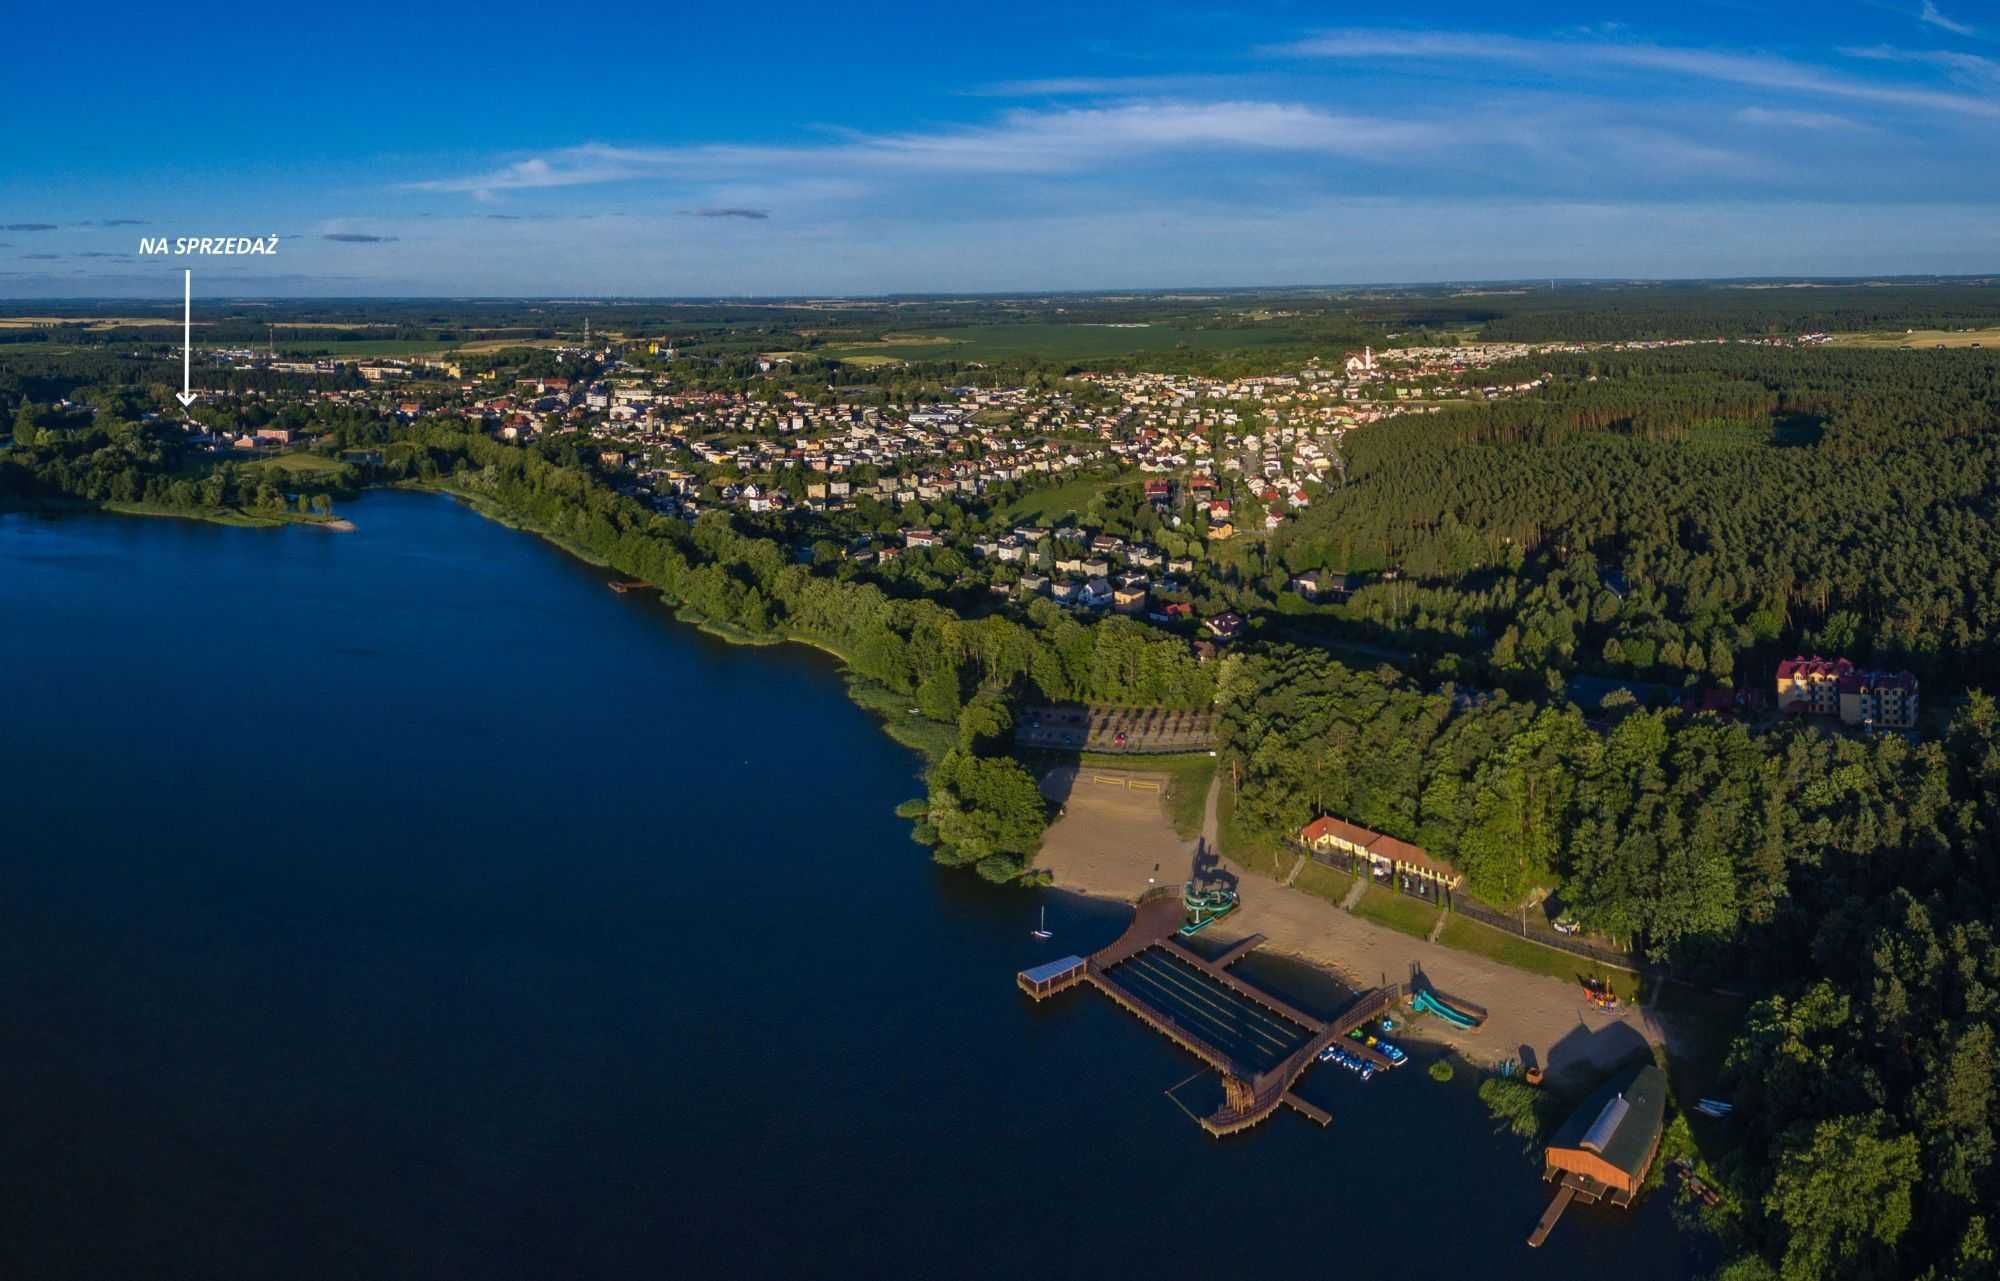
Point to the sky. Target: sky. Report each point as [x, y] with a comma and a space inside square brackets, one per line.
[439, 149]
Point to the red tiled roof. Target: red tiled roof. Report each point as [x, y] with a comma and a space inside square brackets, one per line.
[1327, 826]
[1377, 844]
[1815, 666]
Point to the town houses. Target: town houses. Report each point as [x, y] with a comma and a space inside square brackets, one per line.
[1134, 492]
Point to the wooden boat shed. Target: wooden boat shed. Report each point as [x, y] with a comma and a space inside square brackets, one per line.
[1606, 1147]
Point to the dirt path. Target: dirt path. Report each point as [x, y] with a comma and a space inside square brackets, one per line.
[1114, 840]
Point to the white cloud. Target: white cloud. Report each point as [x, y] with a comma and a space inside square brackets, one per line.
[1969, 66]
[1785, 119]
[1102, 86]
[1748, 70]
[1021, 142]
[1931, 16]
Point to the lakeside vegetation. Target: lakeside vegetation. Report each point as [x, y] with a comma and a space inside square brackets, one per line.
[1679, 516]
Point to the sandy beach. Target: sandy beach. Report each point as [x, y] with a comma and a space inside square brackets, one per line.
[1113, 840]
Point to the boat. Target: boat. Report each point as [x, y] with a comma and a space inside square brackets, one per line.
[1042, 932]
[1368, 1072]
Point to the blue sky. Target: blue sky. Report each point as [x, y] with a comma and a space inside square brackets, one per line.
[869, 148]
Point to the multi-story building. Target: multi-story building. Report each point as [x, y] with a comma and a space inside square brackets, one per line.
[1887, 700]
[1836, 687]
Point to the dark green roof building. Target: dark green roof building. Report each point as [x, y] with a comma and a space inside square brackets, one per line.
[1608, 1144]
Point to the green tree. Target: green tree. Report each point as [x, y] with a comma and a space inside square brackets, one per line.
[1842, 1191]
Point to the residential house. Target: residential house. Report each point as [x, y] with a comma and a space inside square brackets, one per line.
[1226, 626]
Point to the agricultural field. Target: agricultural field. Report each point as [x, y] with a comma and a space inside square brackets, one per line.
[1920, 338]
[374, 347]
[1055, 342]
[487, 346]
[92, 325]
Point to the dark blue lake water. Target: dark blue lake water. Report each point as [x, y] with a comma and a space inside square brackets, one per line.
[404, 904]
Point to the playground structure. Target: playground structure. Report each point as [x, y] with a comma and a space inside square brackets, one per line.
[1600, 994]
[1204, 907]
[1464, 1016]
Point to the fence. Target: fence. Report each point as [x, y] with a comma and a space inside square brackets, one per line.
[1466, 906]
[1547, 938]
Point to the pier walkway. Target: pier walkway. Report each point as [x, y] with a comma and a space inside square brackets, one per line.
[1257, 1042]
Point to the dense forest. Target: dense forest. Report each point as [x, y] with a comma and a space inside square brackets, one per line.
[1854, 880]
[1658, 514]
[1737, 309]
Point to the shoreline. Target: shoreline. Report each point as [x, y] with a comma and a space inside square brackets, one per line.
[1284, 936]
[1113, 842]
[227, 517]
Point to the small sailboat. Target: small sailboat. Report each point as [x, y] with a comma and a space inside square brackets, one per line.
[1042, 931]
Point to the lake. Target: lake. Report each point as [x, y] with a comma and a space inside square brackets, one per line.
[405, 904]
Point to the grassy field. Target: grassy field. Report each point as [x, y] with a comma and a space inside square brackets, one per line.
[295, 463]
[1397, 911]
[1471, 936]
[1328, 883]
[1920, 338]
[1047, 505]
[902, 342]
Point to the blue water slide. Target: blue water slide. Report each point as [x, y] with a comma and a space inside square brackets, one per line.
[1425, 1001]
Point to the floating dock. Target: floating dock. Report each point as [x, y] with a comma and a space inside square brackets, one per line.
[1259, 1043]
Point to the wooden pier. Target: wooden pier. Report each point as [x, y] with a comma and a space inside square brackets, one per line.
[1249, 1094]
[1549, 1216]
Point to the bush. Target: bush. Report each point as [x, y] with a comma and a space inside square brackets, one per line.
[1515, 1106]
[1441, 1071]
[1001, 869]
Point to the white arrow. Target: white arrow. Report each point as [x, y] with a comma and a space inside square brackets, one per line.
[186, 396]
